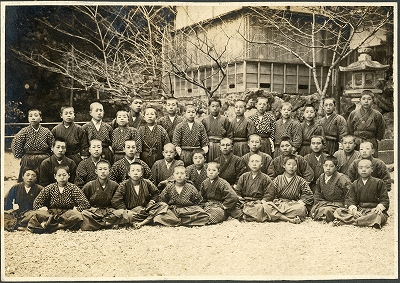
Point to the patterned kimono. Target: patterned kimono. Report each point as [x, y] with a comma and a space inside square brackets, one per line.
[380, 171]
[60, 208]
[104, 134]
[251, 191]
[76, 139]
[367, 126]
[290, 128]
[133, 206]
[118, 138]
[120, 169]
[135, 120]
[100, 201]
[242, 129]
[344, 160]
[265, 127]
[365, 197]
[219, 198]
[152, 143]
[169, 125]
[32, 146]
[231, 167]
[265, 159]
[195, 176]
[303, 169]
[188, 139]
[329, 195]
[20, 217]
[86, 172]
[183, 208]
[217, 128]
[335, 128]
[162, 171]
[316, 165]
[47, 170]
[307, 132]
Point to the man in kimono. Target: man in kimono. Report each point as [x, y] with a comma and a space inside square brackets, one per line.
[347, 155]
[242, 129]
[334, 126]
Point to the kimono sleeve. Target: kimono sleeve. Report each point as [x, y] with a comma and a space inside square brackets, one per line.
[383, 194]
[351, 198]
[306, 194]
[42, 199]
[318, 191]
[269, 190]
[229, 195]
[118, 200]
[80, 199]
[154, 192]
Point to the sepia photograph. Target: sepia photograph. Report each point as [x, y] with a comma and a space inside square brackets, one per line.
[199, 141]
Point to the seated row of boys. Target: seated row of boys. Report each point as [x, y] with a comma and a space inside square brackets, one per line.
[205, 194]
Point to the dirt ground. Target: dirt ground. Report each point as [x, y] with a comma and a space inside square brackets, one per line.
[230, 250]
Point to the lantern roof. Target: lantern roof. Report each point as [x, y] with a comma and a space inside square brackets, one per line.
[363, 65]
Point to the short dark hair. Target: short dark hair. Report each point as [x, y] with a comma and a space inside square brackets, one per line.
[59, 167]
[318, 137]
[198, 150]
[136, 163]
[331, 98]
[286, 138]
[30, 168]
[215, 100]
[35, 110]
[103, 161]
[289, 157]
[333, 159]
[59, 139]
[66, 107]
[309, 105]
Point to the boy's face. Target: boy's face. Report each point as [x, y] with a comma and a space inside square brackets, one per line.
[212, 171]
[309, 113]
[122, 118]
[261, 106]
[150, 116]
[59, 149]
[255, 163]
[190, 114]
[366, 150]
[34, 117]
[180, 175]
[61, 177]
[254, 144]
[329, 168]
[97, 112]
[130, 149]
[214, 108]
[290, 166]
[169, 154]
[286, 111]
[103, 170]
[226, 147]
[348, 145]
[68, 115]
[136, 105]
[135, 172]
[172, 107]
[29, 178]
[95, 149]
[240, 108]
[286, 148]
[329, 106]
[366, 101]
[365, 168]
[198, 159]
[316, 145]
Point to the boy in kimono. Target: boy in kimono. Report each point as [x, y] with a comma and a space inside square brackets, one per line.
[120, 169]
[292, 196]
[254, 189]
[264, 122]
[99, 193]
[86, 170]
[309, 128]
[162, 170]
[242, 129]
[218, 196]
[18, 202]
[96, 129]
[136, 200]
[189, 135]
[183, 202]
[379, 168]
[58, 158]
[316, 158]
[135, 118]
[255, 148]
[197, 172]
[286, 126]
[331, 189]
[72, 133]
[365, 123]
[33, 143]
[334, 126]
[152, 138]
[217, 128]
[231, 166]
[172, 119]
[121, 134]
[347, 155]
[277, 165]
[367, 202]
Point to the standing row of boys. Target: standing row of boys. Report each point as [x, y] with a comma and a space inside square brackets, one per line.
[135, 173]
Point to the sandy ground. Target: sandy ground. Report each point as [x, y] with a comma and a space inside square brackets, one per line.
[230, 250]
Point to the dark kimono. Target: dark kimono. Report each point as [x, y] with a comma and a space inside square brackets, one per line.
[316, 165]
[104, 134]
[265, 159]
[309, 130]
[291, 128]
[195, 176]
[47, 170]
[169, 125]
[303, 169]
[161, 171]
[335, 128]
[242, 129]
[152, 143]
[231, 167]
[344, 160]
[217, 128]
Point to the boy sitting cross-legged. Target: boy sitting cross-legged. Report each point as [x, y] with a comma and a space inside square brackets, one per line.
[218, 195]
[331, 189]
[255, 148]
[197, 172]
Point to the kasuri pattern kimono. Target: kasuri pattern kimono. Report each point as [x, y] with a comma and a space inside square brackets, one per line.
[169, 125]
[196, 176]
[152, 143]
[120, 169]
[290, 128]
[104, 134]
[265, 127]
[118, 138]
[309, 130]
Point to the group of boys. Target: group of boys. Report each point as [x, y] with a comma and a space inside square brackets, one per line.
[139, 170]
